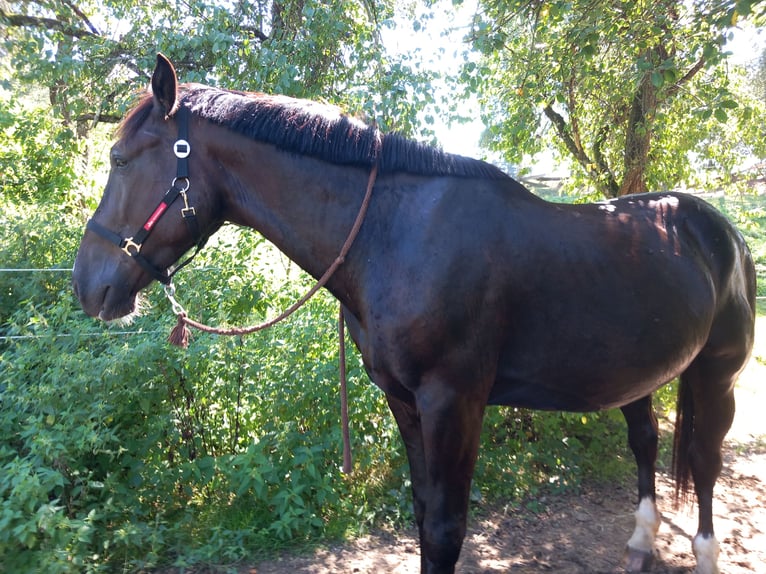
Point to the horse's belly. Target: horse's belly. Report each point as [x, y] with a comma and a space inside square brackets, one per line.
[585, 383]
[601, 355]
[539, 398]
[574, 397]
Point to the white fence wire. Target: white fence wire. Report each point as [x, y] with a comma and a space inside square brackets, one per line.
[105, 333]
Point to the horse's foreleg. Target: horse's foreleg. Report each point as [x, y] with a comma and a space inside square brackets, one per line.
[642, 437]
[451, 427]
[408, 421]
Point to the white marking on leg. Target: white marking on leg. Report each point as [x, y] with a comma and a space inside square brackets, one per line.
[648, 521]
[706, 551]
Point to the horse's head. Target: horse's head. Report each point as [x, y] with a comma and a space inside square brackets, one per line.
[146, 219]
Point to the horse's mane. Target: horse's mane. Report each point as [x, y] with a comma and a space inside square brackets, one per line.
[318, 130]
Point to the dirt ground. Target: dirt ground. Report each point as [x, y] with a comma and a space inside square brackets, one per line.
[585, 533]
[576, 534]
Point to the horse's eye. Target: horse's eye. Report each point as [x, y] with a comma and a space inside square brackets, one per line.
[117, 161]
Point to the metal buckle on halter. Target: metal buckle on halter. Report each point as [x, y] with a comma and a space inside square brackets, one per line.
[181, 181]
[127, 243]
[186, 210]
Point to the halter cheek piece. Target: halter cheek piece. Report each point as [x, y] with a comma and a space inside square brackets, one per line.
[131, 246]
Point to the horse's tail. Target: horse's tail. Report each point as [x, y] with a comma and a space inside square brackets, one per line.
[682, 439]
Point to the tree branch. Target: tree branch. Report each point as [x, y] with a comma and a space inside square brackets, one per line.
[100, 118]
[673, 90]
[22, 20]
[573, 121]
[598, 171]
[601, 163]
[256, 32]
[560, 124]
[82, 17]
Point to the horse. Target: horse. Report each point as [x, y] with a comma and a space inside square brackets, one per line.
[462, 289]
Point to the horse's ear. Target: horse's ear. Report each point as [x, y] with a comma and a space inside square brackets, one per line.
[165, 86]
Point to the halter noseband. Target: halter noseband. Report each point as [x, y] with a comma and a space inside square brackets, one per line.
[131, 246]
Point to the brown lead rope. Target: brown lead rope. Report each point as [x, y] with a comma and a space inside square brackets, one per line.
[180, 334]
[343, 392]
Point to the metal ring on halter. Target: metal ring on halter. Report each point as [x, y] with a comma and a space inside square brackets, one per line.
[184, 189]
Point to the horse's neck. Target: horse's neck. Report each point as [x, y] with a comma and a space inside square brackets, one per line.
[305, 207]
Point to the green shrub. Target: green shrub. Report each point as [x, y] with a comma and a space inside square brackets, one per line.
[120, 452]
[526, 452]
[38, 155]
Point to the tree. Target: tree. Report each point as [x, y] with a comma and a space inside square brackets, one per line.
[92, 55]
[759, 78]
[629, 89]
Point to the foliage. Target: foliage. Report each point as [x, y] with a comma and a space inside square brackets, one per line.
[759, 77]
[632, 92]
[527, 452]
[37, 157]
[92, 56]
[119, 452]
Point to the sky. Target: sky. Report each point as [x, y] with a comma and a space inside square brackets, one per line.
[434, 44]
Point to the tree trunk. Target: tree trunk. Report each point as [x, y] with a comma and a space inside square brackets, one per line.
[638, 137]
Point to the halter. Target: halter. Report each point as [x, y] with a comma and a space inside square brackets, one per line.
[131, 246]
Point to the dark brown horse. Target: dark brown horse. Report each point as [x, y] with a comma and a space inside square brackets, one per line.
[462, 289]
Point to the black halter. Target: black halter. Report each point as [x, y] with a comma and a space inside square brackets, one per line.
[131, 246]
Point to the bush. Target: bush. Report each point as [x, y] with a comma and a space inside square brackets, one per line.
[37, 158]
[121, 452]
[526, 452]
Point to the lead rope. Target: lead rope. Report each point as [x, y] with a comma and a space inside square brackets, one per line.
[180, 334]
[343, 392]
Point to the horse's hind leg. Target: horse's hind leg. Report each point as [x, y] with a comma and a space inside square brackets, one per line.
[642, 437]
[705, 413]
[710, 386]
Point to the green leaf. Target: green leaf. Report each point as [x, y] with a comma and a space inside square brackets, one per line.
[669, 76]
[721, 115]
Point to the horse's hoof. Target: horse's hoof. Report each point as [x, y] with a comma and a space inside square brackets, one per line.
[638, 560]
